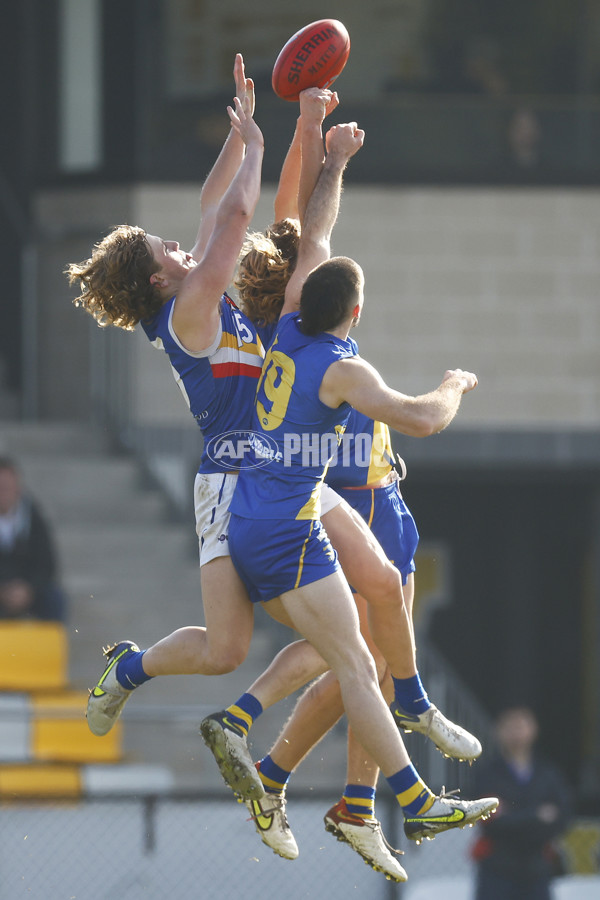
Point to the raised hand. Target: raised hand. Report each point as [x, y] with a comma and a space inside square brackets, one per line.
[316, 103]
[333, 103]
[242, 121]
[244, 87]
[468, 379]
[345, 140]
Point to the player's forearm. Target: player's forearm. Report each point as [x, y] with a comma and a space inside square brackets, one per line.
[224, 170]
[419, 416]
[313, 156]
[286, 199]
[242, 194]
[437, 409]
[323, 207]
[425, 414]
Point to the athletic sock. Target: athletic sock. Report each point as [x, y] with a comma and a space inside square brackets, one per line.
[410, 694]
[244, 712]
[273, 777]
[360, 800]
[412, 793]
[130, 672]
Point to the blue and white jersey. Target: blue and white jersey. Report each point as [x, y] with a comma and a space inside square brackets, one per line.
[218, 383]
[293, 433]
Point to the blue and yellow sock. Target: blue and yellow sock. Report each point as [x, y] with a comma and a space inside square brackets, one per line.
[244, 712]
[130, 672]
[412, 793]
[410, 694]
[360, 800]
[273, 777]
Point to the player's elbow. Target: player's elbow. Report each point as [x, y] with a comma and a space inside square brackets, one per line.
[314, 249]
[428, 426]
[421, 424]
[244, 213]
[236, 212]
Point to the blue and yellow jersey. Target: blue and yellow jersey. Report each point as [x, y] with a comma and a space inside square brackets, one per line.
[364, 456]
[219, 383]
[295, 434]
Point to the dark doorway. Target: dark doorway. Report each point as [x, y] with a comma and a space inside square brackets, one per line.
[519, 544]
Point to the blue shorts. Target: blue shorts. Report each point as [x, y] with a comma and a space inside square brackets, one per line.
[273, 556]
[390, 520]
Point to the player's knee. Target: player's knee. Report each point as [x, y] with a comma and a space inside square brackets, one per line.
[367, 673]
[360, 665]
[385, 584]
[227, 659]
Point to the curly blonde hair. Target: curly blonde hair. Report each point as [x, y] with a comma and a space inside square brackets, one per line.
[264, 269]
[115, 281]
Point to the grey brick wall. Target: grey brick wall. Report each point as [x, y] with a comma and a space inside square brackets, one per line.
[505, 283]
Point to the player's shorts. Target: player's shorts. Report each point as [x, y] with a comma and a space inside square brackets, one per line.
[212, 496]
[390, 520]
[329, 499]
[273, 556]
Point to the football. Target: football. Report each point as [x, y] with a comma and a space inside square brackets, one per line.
[313, 57]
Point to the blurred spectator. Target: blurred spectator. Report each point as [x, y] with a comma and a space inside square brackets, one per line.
[28, 567]
[524, 136]
[515, 853]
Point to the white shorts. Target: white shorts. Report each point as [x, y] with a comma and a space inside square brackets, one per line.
[212, 496]
[329, 499]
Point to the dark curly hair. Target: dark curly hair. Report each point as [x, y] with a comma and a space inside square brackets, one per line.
[115, 281]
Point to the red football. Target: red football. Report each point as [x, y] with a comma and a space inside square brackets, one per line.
[313, 57]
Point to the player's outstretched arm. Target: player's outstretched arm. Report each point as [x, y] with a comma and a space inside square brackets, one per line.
[196, 312]
[359, 384]
[286, 204]
[315, 105]
[342, 142]
[228, 162]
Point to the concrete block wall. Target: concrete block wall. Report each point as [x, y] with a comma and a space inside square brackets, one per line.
[504, 282]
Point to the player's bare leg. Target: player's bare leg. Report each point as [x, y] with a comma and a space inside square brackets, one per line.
[325, 614]
[352, 819]
[319, 708]
[368, 570]
[222, 644]
[216, 648]
[390, 624]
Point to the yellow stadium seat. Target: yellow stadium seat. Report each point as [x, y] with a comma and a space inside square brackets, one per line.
[33, 656]
[59, 731]
[19, 781]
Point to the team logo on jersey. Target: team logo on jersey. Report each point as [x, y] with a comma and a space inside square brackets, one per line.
[235, 450]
